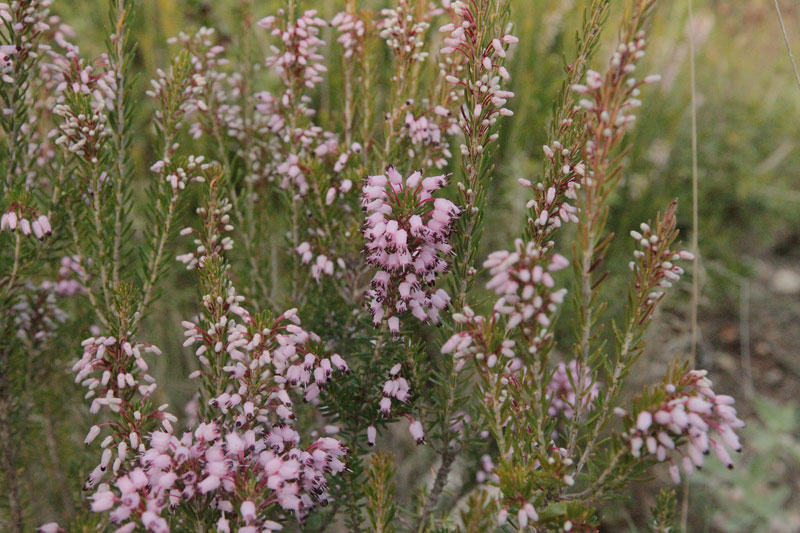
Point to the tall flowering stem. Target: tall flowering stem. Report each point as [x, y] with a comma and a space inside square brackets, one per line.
[24, 26]
[250, 151]
[243, 466]
[352, 33]
[607, 102]
[94, 131]
[227, 114]
[556, 192]
[505, 348]
[94, 126]
[477, 37]
[537, 415]
[83, 107]
[120, 54]
[28, 32]
[655, 268]
[297, 62]
[177, 93]
[404, 29]
[115, 373]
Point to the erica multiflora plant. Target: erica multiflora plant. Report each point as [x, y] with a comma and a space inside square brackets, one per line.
[341, 292]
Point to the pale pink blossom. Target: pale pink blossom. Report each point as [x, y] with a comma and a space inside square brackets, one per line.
[407, 231]
[689, 421]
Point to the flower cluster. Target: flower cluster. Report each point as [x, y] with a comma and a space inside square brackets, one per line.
[258, 358]
[606, 108]
[485, 97]
[115, 373]
[299, 66]
[223, 464]
[180, 91]
[208, 97]
[251, 354]
[45, 62]
[257, 365]
[562, 389]
[217, 223]
[403, 32]
[351, 33]
[615, 121]
[526, 513]
[486, 473]
[314, 251]
[654, 264]
[66, 284]
[322, 265]
[551, 205]
[178, 174]
[474, 341]
[523, 278]
[27, 220]
[244, 460]
[85, 95]
[28, 20]
[205, 58]
[395, 387]
[683, 421]
[299, 61]
[36, 314]
[430, 136]
[407, 231]
[105, 369]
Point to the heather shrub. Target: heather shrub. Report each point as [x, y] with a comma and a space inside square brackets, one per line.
[347, 325]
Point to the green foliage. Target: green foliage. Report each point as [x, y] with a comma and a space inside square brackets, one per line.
[479, 513]
[664, 512]
[380, 492]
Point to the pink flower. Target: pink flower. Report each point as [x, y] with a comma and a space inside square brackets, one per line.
[402, 30]
[682, 422]
[352, 32]
[301, 41]
[654, 263]
[463, 39]
[211, 483]
[523, 278]
[248, 510]
[102, 501]
[407, 232]
[562, 394]
[418, 434]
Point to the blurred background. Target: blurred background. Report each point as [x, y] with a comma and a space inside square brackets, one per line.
[748, 128]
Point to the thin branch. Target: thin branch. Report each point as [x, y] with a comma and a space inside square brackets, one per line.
[695, 208]
[448, 458]
[155, 264]
[695, 237]
[119, 135]
[788, 45]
